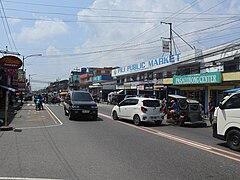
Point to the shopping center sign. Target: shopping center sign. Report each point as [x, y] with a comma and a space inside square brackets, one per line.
[206, 78]
[147, 65]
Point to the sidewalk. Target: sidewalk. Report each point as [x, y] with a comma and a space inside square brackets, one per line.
[12, 111]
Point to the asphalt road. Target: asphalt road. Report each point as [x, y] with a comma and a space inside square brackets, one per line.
[48, 145]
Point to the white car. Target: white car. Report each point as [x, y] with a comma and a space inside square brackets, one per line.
[138, 109]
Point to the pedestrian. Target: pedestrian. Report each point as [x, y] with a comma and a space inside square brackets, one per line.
[211, 109]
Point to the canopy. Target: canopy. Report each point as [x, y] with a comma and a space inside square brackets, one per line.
[232, 90]
[8, 88]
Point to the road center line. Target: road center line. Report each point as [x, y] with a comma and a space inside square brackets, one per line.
[54, 117]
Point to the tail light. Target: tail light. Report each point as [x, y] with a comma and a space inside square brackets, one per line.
[163, 109]
[144, 109]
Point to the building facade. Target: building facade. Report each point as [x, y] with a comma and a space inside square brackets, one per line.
[196, 74]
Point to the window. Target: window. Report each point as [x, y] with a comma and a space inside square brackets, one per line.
[231, 66]
[133, 101]
[125, 103]
[233, 102]
[129, 102]
[151, 103]
[79, 96]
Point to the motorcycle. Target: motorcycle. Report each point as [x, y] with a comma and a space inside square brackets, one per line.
[37, 105]
[178, 118]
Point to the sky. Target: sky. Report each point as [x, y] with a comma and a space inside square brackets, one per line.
[72, 34]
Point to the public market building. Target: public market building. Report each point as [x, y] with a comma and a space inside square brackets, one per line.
[197, 74]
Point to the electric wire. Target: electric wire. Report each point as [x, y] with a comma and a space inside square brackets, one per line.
[8, 28]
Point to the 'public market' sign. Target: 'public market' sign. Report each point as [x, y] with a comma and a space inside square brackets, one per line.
[147, 65]
[206, 78]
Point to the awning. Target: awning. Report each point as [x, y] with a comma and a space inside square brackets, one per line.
[8, 88]
[232, 90]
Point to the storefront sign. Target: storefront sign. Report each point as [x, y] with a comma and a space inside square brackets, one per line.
[140, 87]
[147, 65]
[159, 87]
[127, 86]
[133, 86]
[206, 78]
[148, 87]
[10, 62]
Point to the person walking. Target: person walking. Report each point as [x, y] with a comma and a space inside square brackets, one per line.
[211, 109]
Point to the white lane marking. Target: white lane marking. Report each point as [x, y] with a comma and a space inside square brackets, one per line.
[161, 134]
[60, 122]
[19, 178]
[183, 140]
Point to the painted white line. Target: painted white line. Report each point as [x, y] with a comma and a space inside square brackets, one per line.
[60, 122]
[16, 178]
[181, 140]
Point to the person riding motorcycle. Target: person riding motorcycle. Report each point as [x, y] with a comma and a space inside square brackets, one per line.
[39, 99]
[174, 107]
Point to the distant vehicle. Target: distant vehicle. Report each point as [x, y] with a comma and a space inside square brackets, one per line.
[138, 109]
[80, 104]
[226, 121]
[114, 98]
[129, 96]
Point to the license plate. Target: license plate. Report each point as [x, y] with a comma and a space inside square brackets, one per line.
[153, 117]
[85, 111]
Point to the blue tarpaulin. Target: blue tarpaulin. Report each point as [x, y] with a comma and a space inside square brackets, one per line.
[232, 90]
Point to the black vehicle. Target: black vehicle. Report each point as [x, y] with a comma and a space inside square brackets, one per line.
[80, 104]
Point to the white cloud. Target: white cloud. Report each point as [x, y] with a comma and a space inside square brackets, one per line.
[112, 32]
[42, 30]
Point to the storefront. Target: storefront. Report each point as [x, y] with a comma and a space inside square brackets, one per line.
[200, 86]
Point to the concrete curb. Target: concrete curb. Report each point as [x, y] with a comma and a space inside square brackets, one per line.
[6, 128]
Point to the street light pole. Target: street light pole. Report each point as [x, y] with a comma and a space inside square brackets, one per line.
[25, 57]
[29, 80]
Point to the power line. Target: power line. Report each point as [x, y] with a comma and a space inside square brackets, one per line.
[8, 25]
[5, 29]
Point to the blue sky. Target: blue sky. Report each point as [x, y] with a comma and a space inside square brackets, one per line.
[99, 33]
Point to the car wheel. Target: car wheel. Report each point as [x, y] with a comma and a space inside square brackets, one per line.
[70, 117]
[233, 139]
[95, 118]
[158, 123]
[180, 122]
[65, 112]
[136, 120]
[114, 115]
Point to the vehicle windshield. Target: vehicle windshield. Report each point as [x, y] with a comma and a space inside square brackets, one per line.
[151, 103]
[79, 96]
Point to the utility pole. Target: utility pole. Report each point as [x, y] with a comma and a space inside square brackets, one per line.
[170, 38]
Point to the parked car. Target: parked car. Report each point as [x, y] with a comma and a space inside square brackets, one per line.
[226, 121]
[80, 104]
[138, 109]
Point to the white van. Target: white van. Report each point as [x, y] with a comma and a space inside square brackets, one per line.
[226, 122]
